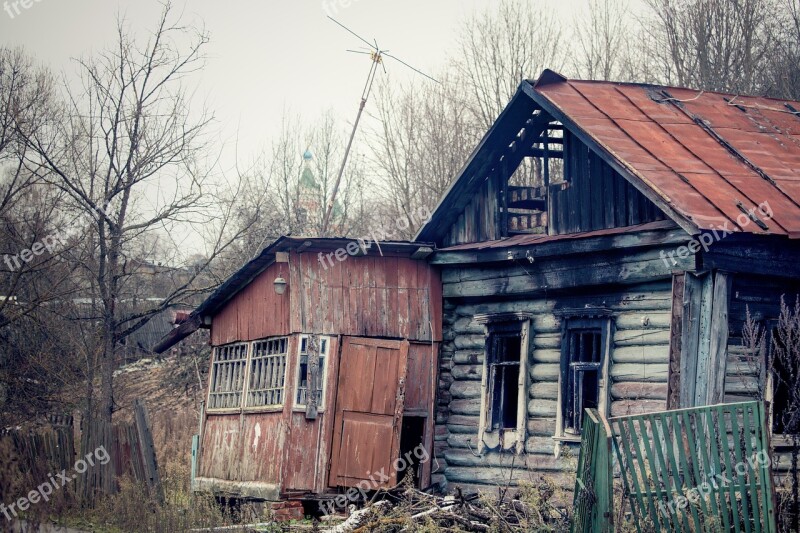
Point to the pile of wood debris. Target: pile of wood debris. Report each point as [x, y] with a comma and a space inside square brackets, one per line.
[409, 510]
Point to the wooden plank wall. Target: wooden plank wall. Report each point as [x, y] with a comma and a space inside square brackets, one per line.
[761, 295]
[478, 221]
[256, 312]
[638, 372]
[597, 197]
[390, 297]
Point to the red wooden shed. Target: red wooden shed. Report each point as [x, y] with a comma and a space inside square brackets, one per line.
[363, 323]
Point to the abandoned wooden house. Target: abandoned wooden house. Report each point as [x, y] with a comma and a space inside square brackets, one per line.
[612, 269]
[281, 423]
[600, 248]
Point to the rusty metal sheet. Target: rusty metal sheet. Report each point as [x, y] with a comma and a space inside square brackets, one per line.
[704, 152]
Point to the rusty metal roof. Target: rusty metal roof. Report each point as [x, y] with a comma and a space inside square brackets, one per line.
[711, 157]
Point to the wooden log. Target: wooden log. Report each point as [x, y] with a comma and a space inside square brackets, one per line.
[636, 407]
[455, 429]
[546, 390]
[468, 357]
[467, 372]
[542, 427]
[466, 390]
[467, 326]
[641, 337]
[641, 354]
[635, 320]
[649, 373]
[637, 391]
[461, 441]
[465, 407]
[545, 371]
[499, 461]
[546, 356]
[547, 341]
[540, 445]
[469, 342]
[542, 408]
[464, 420]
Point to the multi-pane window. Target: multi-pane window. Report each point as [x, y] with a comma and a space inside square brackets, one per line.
[303, 374]
[503, 363]
[227, 376]
[267, 373]
[583, 367]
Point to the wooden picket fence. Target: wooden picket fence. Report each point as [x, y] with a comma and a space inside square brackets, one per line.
[698, 469]
[49, 451]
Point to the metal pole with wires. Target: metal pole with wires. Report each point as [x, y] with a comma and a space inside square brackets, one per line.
[376, 57]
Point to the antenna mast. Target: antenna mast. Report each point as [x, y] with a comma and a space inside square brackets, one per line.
[376, 56]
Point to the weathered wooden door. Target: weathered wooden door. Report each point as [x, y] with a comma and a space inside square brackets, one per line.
[369, 412]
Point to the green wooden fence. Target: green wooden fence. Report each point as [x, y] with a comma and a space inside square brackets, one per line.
[593, 485]
[697, 469]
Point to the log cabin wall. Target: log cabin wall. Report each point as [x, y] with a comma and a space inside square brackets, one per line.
[593, 195]
[638, 371]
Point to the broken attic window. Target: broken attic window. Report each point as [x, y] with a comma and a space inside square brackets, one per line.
[505, 341]
[302, 375]
[581, 377]
[227, 376]
[526, 202]
[267, 372]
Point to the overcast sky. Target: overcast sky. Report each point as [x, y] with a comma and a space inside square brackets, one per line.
[264, 55]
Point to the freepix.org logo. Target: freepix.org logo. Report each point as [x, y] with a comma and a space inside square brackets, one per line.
[14, 7]
[718, 232]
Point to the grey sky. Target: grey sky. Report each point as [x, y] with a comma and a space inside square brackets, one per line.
[264, 56]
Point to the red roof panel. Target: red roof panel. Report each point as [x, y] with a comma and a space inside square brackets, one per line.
[695, 149]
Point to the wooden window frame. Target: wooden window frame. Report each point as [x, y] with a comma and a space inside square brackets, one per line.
[235, 370]
[280, 371]
[324, 355]
[570, 323]
[504, 439]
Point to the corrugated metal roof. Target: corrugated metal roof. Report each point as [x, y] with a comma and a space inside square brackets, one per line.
[710, 156]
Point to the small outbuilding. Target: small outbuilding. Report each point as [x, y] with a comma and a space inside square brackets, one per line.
[323, 370]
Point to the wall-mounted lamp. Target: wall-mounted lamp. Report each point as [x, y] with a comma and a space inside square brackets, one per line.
[280, 285]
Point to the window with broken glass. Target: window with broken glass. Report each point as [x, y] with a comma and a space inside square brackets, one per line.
[584, 357]
[303, 372]
[503, 358]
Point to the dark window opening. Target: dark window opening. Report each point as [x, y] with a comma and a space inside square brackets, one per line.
[505, 343]
[411, 447]
[582, 376]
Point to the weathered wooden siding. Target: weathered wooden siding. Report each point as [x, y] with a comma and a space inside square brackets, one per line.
[479, 219]
[389, 297]
[255, 313]
[745, 371]
[307, 450]
[595, 196]
[638, 373]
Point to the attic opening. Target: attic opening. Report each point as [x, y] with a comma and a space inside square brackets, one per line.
[524, 199]
[534, 174]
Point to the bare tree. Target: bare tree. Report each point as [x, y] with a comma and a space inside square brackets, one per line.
[425, 135]
[602, 40]
[714, 44]
[130, 156]
[503, 45]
